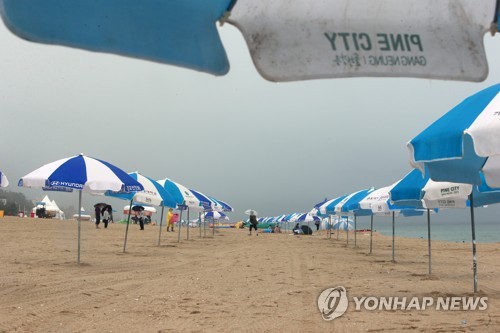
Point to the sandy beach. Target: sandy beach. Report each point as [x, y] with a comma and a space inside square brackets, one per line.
[230, 282]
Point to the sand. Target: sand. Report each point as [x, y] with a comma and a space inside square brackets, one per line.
[228, 283]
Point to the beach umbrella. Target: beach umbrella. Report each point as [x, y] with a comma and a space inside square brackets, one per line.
[81, 173]
[153, 193]
[343, 224]
[307, 218]
[223, 206]
[350, 206]
[251, 212]
[287, 40]
[463, 146]
[4, 182]
[214, 216]
[420, 191]
[379, 203]
[185, 199]
[207, 204]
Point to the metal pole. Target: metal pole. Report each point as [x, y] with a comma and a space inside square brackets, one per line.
[371, 232]
[347, 224]
[187, 232]
[473, 227]
[161, 222]
[179, 227]
[393, 234]
[330, 226]
[199, 219]
[338, 229]
[429, 238]
[126, 230]
[204, 225]
[79, 223]
[354, 230]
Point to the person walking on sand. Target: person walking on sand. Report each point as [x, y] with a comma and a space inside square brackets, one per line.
[106, 215]
[170, 220]
[97, 216]
[253, 224]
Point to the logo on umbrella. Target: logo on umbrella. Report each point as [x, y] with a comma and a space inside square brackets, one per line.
[333, 302]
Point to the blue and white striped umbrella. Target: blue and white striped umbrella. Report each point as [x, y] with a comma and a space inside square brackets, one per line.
[423, 192]
[214, 215]
[464, 143]
[81, 173]
[328, 208]
[224, 206]
[152, 194]
[343, 224]
[206, 203]
[415, 189]
[4, 182]
[182, 195]
[306, 217]
[379, 203]
[463, 146]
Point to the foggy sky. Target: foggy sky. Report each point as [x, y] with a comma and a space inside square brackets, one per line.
[277, 148]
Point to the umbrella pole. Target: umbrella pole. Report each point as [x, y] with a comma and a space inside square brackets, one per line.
[179, 228]
[187, 232]
[338, 229]
[126, 229]
[213, 227]
[354, 230]
[393, 234]
[429, 238]
[473, 227]
[347, 224]
[161, 222]
[371, 232]
[199, 219]
[79, 223]
[204, 226]
[330, 226]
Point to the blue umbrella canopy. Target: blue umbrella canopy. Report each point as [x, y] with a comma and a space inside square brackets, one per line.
[181, 33]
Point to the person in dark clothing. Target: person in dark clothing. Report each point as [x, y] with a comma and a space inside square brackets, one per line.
[297, 230]
[97, 216]
[316, 223]
[253, 224]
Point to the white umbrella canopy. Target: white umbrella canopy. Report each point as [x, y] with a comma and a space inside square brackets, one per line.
[4, 182]
[251, 212]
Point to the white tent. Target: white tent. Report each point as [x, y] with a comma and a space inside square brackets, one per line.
[51, 208]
